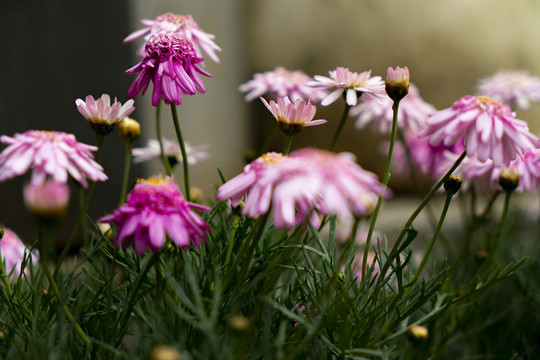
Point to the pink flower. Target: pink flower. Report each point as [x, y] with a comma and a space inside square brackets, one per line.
[49, 154]
[155, 207]
[14, 252]
[195, 154]
[282, 82]
[182, 24]
[412, 113]
[49, 200]
[293, 117]
[170, 61]
[299, 186]
[489, 129]
[397, 82]
[352, 83]
[101, 115]
[512, 87]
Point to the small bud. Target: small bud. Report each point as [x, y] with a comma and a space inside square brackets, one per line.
[341, 277]
[239, 323]
[397, 83]
[44, 292]
[480, 256]
[129, 130]
[164, 352]
[453, 184]
[48, 201]
[196, 194]
[106, 230]
[2, 335]
[417, 333]
[509, 179]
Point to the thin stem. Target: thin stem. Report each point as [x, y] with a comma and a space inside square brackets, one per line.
[84, 209]
[160, 139]
[386, 179]
[497, 235]
[3, 275]
[340, 127]
[183, 149]
[111, 277]
[288, 141]
[125, 179]
[271, 134]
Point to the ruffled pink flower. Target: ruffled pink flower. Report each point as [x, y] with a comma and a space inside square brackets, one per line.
[353, 84]
[299, 186]
[512, 87]
[14, 252]
[282, 82]
[170, 62]
[489, 129]
[182, 24]
[296, 115]
[49, 154]
[101, 115]
[152, 150]
[412, 113]
[153, 209]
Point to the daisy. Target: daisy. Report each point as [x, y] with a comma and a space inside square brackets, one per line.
[153, 209]
[49, 154]
[512, 87]
[172, 151]
[101, 115]
[293, 117]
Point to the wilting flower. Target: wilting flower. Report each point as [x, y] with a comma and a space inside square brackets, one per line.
[412, 113]
[352, 83]
[49, 154]
[170, 61]
[101, 115]
[512, 87]
[154, 208]
[49, 200]
[293, 117]
[299, 186]
[172, 151]
[397, 82]
[14, 252]
[489, 129]
[282, 82]
[182, 24]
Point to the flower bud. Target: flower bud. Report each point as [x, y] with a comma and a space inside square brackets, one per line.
[129, 130]
[397, 83]
[509, 179]
[47, 201]
[238, 323]
[480, 256]
[417, 333]
[164, 352]
[453, 184]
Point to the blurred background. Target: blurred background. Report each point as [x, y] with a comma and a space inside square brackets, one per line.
[56, 51]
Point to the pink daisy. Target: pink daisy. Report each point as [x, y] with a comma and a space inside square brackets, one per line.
[353, 84]
[182, 24]
[282, 82]
[512, 87]
[152, 150]
[101, 115]
[49, 154]
[293, 117]
[170, 62]
[153, 209]
[412, 113]
[14, 252]
[489, 129]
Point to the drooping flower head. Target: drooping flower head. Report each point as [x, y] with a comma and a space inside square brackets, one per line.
[512, 87]
[153, 209]
[353, 84]
[489, 129]
[397, 83]
[282, 82]
[412, 113]
[172, 151]
[14, 252]
[170, 62]
[182, 24]
[101, 115]
[293, 117]
[49, 154]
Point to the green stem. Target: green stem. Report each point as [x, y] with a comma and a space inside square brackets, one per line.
[497, 235]
[269, 138]
[386, 179]
[183, 149]
[288, 141]
[111, 277]
[84, 209]
[3, 275]
[340, 127]
[160, 139]
[125, 179]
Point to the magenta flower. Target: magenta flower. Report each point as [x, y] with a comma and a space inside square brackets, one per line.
[282, 82]
[195, 154]
[49, 154]
[14, 252]
[299, 186]
[489, 129]
[153, 209]
[293, 117]
[170, 62]
[412, 113]
[101, 115]
[182, 24]
[353, 84]
[512, 87]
